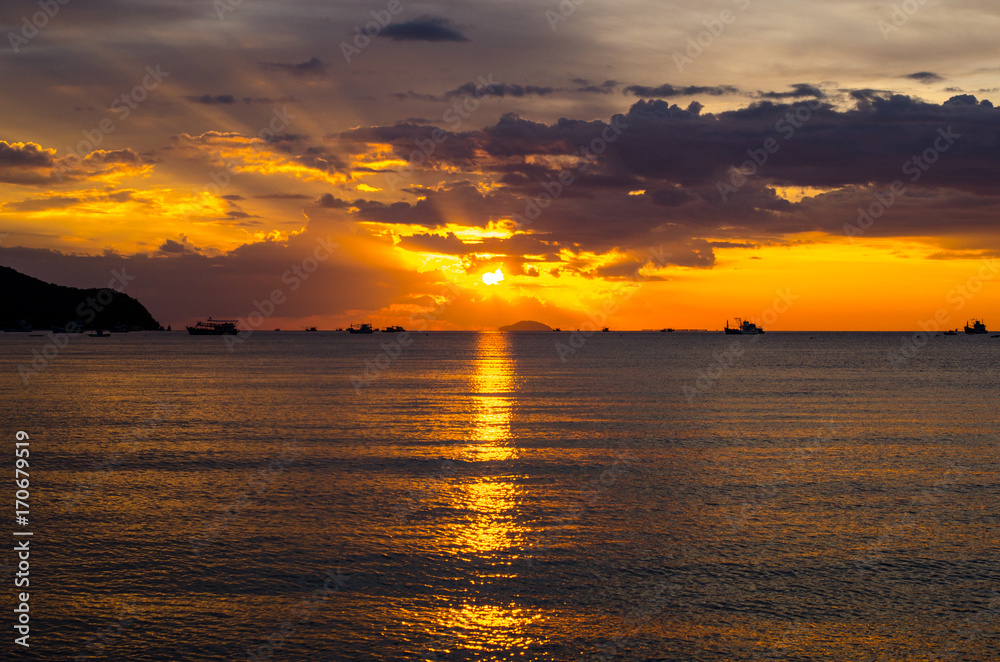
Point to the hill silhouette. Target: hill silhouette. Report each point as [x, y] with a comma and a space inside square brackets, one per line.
[45, 305]
[526, 325]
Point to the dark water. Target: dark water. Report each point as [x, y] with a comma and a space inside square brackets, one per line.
[652, 497]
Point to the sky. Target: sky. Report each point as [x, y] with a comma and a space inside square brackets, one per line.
[638, 164]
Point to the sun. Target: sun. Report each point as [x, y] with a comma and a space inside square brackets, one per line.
[493, 277]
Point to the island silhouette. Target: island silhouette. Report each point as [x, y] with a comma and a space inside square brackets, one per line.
[526, 325]
[30, 303]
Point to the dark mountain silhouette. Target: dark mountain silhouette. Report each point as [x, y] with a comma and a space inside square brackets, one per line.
[44, 305]
[526, 325]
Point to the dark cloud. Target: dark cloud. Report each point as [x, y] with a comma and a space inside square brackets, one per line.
[681, 156]
[427, 28]
[25, 163]
[433, 243]
[607, 87]
[926, 77]
[117, 156]
[798, 91]
[670, 197]
[20, 155]
[173, 247]
[229, 99]
[498, 90]
[42, 204]
[406, 138]
[328, 201]
[208, 99]
[314, 67]
[668, 91]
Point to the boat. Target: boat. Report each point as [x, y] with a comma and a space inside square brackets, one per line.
[605, 329]
[214, 328]
[976, 328]
[360, 328]
[950, 333]
[666, 330]
[743, 328]
[393, 329]
[100, 333]
[308, 328]
[22, 327]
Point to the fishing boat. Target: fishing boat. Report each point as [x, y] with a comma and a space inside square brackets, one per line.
[393, 329]
[950, 333]
[360, 328]
[976, 328]
[214, 328]
[605, 329]
[22, 327]
[668, 330]
[310, 328]
[743, 328]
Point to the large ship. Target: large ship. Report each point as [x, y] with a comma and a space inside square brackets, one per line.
[743, 328]
[360, 328]
[977, 327]
[214, 328]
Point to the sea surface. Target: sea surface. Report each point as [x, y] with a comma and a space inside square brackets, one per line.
[507, 496]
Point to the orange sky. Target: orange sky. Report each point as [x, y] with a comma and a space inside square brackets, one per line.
[214, 171]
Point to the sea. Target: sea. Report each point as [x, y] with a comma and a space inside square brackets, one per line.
[503, 496]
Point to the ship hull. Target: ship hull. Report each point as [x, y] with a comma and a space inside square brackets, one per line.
[211, 332]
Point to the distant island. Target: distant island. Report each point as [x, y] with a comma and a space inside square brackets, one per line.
[526, 325]
[30, 302]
